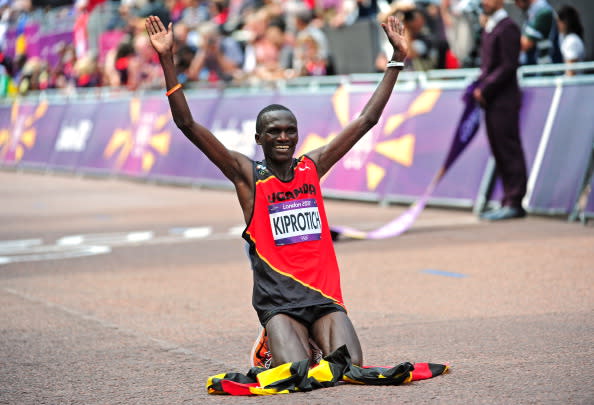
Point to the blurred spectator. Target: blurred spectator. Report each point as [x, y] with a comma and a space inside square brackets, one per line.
[367, 9]
[219, 11]
[94, 17]
[176, 8]
[133, 65]
[122, 19]
[5, 13]
[310, 56]
[428, 46]
[254, 32]
[336, 13]
[152, 7]
[195, 13]
[218, 57]
[35, 76]
[118, 65]
[308, 60]
[435, 29]
[422, 54]
[86, 71]
[276, 54]
[184, 55]
[539, 34]
[571, 34]
[62, 74]
[462, 28]
[146, 69]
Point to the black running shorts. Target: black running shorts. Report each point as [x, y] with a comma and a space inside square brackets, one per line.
[305, 315]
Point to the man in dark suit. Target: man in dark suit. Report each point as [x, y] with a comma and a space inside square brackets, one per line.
[499, 95]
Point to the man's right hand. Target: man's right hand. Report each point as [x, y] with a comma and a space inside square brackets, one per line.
[161, 38]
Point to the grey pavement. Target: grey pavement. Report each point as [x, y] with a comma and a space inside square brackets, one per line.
[120, 292]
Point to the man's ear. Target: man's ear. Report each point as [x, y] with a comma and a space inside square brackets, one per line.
[257, 138]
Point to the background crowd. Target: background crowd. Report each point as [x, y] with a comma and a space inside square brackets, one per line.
[247, 41]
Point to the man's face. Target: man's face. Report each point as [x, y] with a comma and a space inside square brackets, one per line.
[491, 6]
[278, 137]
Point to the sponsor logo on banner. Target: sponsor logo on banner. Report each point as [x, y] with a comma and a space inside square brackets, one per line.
[387, 139]
[143, 141]
[73, 138]
[295, 221]
[21, 135]
[237, 139]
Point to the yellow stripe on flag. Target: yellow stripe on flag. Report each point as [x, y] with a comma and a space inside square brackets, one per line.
[274, 374]
[322, 372]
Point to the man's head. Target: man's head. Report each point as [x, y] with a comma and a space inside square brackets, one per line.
[414, 20]
[269, 108]
[524, 5]
[491, 6]
[276, 132]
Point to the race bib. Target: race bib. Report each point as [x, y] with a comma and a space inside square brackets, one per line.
[295, 221]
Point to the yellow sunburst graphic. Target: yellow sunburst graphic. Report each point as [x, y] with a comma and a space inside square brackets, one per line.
[21, 135]
[400, 150]
[143, 140]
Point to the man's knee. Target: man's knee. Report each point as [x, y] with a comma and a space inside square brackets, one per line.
[288, 340]
[335, 330]
[356, 355]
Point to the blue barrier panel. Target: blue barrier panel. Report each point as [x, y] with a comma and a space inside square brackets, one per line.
[566, 153]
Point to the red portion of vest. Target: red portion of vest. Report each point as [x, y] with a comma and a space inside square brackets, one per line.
[311, 263]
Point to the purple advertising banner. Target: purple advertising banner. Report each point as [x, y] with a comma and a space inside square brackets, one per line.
[397, 160]
[183, 160]
[38, 44]
[30, 133]
[364, 168]
[49, 45]
[234, 124]
[5, 131]
[76, 128]
[144, 140]
[112, 137]
[31, 33]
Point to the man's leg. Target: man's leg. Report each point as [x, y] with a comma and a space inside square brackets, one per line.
[503, 131]
[334, 330]
[288, 340]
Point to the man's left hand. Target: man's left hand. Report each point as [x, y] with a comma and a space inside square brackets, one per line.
[395, 32]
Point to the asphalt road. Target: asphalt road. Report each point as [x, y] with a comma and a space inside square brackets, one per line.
[118, 292]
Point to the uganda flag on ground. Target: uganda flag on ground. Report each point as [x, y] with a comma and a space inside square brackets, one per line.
[332, 369]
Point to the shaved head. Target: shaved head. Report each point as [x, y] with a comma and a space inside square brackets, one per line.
[267, 109]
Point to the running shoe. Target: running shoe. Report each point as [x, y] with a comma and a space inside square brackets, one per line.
[260, 355]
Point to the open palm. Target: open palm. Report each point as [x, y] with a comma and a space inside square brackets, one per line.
[395, 32]
[161, 37]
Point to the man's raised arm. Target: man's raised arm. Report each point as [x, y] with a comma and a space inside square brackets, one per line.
[326, 156]
[234, 166]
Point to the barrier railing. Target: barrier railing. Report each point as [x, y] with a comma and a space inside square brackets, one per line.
[529, 76]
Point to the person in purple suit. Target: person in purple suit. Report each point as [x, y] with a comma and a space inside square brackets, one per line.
[499, 95]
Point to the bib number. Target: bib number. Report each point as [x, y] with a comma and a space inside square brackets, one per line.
[295, 221]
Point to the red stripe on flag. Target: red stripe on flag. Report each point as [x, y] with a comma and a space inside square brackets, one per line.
[234, 388]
